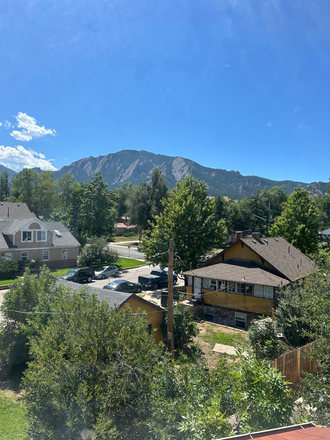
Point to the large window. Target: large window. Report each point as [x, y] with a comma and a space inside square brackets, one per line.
[41, 236]
[240, 288]
[45, 255]
[24, 255]
[27, 236]
[259, 291]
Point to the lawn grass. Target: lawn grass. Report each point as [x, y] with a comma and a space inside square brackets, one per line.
[13, 425]
[121, 238]
[61, 272]
[4, 282]
[126, 263]
[216, 336]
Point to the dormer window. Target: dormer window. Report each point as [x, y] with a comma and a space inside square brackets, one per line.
[26, 236]
[41, 236]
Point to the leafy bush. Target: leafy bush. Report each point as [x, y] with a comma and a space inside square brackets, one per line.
[8, 269]
[184, 326]
[97, 253]
[264, 340]
[129, 234]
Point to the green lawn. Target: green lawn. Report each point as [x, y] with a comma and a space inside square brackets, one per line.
[126, 263]
[13, 425]
[216, 336]
[121, 238]
[4, 282]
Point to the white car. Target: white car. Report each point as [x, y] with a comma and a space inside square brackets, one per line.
[105, 272]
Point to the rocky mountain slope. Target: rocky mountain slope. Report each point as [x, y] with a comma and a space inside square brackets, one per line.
[136, 166]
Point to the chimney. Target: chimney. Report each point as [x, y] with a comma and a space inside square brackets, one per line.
[289, 249]
[256, 235]
[238, 235]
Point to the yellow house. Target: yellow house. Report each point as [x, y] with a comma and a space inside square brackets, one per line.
[152, 312]
[240, 283]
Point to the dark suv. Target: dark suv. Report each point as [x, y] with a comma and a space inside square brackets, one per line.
[80, 275]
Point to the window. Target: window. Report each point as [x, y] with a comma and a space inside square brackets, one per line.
[223, 285]
[240, 319]
[64, 254]
[27, 236]
[45, 255]
[259, 291]
[269, 292]
[213, 284]
[24, 255]
[231, 287]
[240, 288]
[41, 235]
[189, 280]
[249, 289]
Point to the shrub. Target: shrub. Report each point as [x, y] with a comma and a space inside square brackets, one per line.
[129, 234]
[97, 253]
[8, 269]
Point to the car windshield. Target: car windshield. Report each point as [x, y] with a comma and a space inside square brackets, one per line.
[100, 269]
[116, 283]
[71, 272]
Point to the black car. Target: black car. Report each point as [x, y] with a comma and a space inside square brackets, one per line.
[124, 286]
[80, 275]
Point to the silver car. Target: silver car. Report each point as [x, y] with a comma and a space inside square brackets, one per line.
[105, 272]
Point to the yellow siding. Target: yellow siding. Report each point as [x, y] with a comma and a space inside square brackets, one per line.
[155, 319]
[238, 302]
[243, 253]
[189, 290]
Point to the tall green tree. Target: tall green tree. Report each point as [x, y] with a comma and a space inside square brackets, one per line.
[188, 218]
[299, 222]
[90, 212]
[4, 186]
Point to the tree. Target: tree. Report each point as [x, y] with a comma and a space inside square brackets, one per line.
[188, 218]
[93, 369]
[4, 186]
[91, 210]
[264, 341]
[97, 253]
[121, 199]
[298, 223]
[21, 300]
[146, 199]
[184, 326]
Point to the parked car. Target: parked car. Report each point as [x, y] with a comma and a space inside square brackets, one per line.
[124, 286]
[157, 278]
[80, 275]
[106, 271]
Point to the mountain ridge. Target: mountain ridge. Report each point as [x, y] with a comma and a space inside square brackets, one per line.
[134, 166]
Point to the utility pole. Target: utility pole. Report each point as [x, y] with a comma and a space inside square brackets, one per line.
[170, 334]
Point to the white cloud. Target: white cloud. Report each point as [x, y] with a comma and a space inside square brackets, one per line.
[8, 124]
[0, 124]
[19, 157]
[30, 129]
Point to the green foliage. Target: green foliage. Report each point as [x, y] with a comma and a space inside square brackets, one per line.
[24, 297]
[184, 326]
[264, 399]
[8, 269]
[90, 211]
[298, 223]
[4, 186]
[97, 253]
[93, 369]
[264, 341]
[189, 219]
[129, 234]
[145, 200]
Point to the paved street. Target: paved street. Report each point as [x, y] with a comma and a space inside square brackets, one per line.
[124, 251]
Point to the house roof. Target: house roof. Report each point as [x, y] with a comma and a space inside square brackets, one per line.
[240, 271]
[66, 238]
[15, 210]
[11, 226]
[304, 431]
[280, 254]
[113, 297]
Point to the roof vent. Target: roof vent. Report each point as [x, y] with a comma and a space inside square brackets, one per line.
[276, 239]
[18, 204]
[1, 204]
[57, 232]
[266, 241]
[254, 241]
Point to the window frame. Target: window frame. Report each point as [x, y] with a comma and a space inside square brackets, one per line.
[25, 240]
[27, 255]
[67, 254]
[40, 232]
[45, 259]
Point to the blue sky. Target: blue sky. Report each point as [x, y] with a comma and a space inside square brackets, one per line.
[232, 84]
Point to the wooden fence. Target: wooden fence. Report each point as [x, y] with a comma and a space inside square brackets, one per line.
[292, 364]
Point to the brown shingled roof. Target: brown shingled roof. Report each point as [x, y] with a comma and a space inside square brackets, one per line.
[284, 257]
